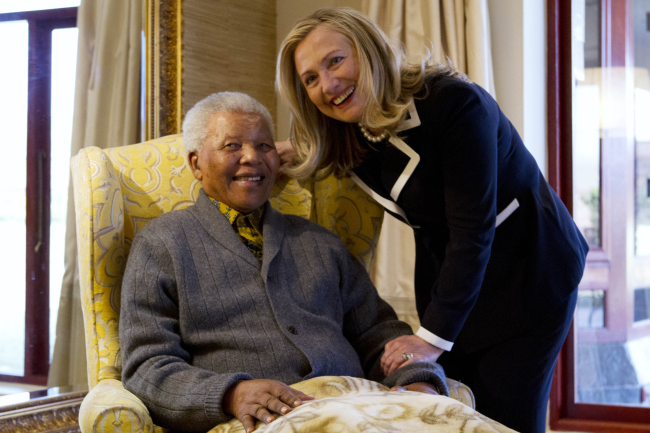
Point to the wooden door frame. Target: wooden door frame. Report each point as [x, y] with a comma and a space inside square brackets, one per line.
[565, 413]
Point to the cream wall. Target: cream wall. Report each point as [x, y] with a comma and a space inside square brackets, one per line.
[518, 32]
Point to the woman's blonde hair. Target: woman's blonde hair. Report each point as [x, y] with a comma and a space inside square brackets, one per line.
[324, 145]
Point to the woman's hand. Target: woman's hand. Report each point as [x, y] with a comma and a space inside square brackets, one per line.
[423, 387]
[249, 400]
[287, 154]
[421, 350]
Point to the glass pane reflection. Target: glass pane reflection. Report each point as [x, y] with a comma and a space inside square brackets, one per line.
[13, 181]
[590, 310]
[611, 111]
[642, 124]
[586, 126]
[64, 60]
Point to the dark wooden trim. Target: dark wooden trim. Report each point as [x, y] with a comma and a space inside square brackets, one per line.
[558, 40]
[37, 318]
[38, 199]
[37, 302]
[559, 113]
[583, 425]
[552, 90]
[28, 379]
[46, 14]
[49, 410]
[31, 399]
[565, 413]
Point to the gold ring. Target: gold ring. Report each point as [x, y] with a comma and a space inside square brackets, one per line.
[406, 356]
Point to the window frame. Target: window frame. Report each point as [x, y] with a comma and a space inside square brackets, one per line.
[565, 413]
[37, 297]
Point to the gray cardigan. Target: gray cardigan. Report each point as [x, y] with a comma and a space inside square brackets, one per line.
[198, 313]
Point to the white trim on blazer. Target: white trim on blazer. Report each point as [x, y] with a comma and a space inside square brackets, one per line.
[408, 170]
[387, 204]
[412, 122]
[501, 217]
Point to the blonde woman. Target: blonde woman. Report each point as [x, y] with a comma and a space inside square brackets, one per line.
[498, 257]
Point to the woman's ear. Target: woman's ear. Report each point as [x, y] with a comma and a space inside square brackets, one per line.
[193, 161]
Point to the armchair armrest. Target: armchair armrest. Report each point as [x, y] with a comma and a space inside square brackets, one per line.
[109, 408]
[461, 392]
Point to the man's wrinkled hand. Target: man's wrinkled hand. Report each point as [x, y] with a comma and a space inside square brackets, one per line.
[423, 387]
[421, 350]
[251, 400]
[287, 154]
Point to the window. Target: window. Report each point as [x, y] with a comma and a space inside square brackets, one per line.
[40, 47]
[599, 159]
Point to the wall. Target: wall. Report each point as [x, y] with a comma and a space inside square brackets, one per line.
[518, 31]
[288, 12]
[235, 39]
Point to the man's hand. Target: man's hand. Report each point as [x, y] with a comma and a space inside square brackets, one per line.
[249, 400]
[421, 350]
[287, 154]
[423, 387]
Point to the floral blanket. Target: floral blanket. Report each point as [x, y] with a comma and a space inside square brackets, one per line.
[351, 405]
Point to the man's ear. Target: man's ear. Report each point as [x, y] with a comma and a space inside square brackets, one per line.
[193, 161]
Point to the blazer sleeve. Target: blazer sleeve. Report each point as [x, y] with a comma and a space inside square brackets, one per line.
[156, 366]
[469, 142]
[369, 323]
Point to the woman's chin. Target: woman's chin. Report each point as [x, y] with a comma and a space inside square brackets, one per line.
[350, 115]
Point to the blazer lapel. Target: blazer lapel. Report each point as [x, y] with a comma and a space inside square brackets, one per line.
[397, 168]
[412, 121]
[220, 229]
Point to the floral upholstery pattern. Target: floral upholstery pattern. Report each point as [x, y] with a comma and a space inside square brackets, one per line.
[117, 192]
[109, 408]
[354, 405]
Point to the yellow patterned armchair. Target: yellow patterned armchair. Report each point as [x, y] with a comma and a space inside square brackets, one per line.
[117, 192]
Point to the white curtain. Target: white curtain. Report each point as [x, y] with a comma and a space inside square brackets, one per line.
[106, 114]
[459, 30]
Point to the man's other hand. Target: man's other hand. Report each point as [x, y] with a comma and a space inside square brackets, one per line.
[423, 387]
[249, 400]
[287, 154]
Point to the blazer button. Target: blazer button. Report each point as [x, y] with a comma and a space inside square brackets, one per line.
[292, 330]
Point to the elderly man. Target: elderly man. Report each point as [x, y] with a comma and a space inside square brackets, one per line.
[227, 301]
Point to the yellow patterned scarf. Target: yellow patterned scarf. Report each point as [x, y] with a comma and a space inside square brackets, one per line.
[248, 227]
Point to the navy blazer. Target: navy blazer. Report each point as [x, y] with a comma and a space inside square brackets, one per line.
[496, 248]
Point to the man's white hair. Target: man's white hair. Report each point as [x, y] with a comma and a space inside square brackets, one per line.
[195, 125]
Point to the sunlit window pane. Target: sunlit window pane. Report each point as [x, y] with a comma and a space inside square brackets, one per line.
[13, 178]
[642, 304]
[586, 127]
[590, 311]
[642, 141]
[586, 157]
[64, 57]
[612, 110]
[32, 5]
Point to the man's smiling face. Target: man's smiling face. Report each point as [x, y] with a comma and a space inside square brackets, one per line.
[237, 163]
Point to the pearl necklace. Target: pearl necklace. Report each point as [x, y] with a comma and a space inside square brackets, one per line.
[373, 138]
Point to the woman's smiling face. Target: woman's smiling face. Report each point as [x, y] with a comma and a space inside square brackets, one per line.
[327, 65]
